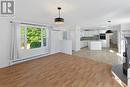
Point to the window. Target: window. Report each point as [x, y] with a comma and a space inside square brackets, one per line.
[33, 37]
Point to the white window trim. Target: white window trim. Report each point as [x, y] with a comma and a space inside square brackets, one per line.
[28, 53]
[25, 37]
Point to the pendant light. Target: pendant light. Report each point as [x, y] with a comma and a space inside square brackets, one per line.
[109, 31]
[59, 20]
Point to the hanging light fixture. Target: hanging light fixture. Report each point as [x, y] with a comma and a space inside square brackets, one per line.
[109, 27]
[59, 20]
[109, 31]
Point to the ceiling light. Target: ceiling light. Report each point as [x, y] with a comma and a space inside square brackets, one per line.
[109, 21]
[59, 20]
[109, 32]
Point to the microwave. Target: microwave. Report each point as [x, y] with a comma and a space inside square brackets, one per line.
[102, 36]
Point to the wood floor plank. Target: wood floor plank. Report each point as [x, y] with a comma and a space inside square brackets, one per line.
[58, 70]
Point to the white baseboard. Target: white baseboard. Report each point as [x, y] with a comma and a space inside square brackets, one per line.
[27, 59]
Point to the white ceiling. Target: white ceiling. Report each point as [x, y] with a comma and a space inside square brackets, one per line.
[86, 13]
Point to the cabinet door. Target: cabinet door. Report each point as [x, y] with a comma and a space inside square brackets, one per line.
[92, 33]
[125, 26]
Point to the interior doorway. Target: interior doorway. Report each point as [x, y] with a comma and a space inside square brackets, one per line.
[114, 39]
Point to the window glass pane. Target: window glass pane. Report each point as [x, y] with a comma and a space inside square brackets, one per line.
[44, 37]
[33, 37]
[22, 41]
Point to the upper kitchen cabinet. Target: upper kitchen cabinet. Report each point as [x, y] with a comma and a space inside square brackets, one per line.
[89, 33]
[125, 26]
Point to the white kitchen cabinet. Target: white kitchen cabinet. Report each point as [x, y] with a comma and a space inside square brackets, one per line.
[95, 45]
[125, 26]
[89, 33]
[83, 43]
[104, 43]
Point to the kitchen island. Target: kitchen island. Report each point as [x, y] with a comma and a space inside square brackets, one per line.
[92, 44]
[95, 45]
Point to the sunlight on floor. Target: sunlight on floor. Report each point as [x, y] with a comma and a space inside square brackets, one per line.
[118, 54]
[111, 51]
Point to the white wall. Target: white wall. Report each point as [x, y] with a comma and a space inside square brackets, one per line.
[117, 28]
[74, 35]
[5, 37]
[4, 41]
[58, 44]
[56, 37]
[125, 31]
[66, 46]
[29, 11]
[114, 37]
[25, 10]
[122, 30]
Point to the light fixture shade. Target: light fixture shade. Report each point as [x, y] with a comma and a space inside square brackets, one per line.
[109, 32]
[59, 21]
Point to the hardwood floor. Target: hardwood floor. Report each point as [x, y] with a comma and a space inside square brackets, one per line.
[58, 70]
[108, 56]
